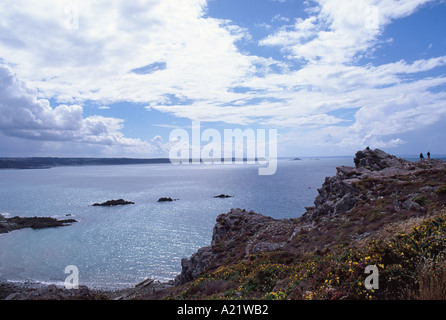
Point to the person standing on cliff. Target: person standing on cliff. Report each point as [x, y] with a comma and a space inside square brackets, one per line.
[429, 155]
[421, 157]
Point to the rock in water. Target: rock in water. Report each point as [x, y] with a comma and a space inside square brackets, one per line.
[110, 203]
[166, 200]
[16, 223]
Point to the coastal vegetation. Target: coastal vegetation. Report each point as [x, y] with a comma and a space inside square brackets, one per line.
[411, 265]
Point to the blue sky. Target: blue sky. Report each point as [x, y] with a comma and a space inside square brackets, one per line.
[83, 78]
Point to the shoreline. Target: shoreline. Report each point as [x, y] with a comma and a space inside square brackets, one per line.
[34, 290]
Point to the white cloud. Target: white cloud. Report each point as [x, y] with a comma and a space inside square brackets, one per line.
[96, 60]
[340, 29]
[23, 115]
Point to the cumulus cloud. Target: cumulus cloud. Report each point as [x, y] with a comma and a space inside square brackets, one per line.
[134, 51]
[340, 29]
[23, 115]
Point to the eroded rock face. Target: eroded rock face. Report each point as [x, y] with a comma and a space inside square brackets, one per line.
[237, 234]
[194, 266]
[339, 194]
[336, 196]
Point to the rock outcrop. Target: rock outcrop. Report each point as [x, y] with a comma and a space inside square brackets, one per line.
[377, 160]
[236, 235]
[340, 193]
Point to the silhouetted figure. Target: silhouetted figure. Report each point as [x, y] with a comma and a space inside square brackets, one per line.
[421, 156]
[429, 155]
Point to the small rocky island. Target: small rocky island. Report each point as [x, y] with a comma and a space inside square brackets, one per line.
[223, 196]
[111, 203]
[167, 199]
[16, 223]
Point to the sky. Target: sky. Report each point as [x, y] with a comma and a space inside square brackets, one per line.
[102, 78]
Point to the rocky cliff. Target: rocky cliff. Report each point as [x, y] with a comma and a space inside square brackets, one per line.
[236, 235]
[357, 203]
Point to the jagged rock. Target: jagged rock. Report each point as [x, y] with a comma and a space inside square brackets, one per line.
[111, 203]
[193, 267]
[338, 194]
[230, 231]
[377, 160]
[347, 202]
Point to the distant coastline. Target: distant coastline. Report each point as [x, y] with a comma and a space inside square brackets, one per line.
[47, 163]
[51, 162]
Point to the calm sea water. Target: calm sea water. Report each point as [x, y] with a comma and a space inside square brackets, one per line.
[118, 247]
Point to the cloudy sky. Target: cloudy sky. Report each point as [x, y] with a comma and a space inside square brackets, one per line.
[114, 78]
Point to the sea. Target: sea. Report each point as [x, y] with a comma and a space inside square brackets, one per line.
[118, 247]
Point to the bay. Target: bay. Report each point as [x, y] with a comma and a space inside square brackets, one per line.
[117, 247]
